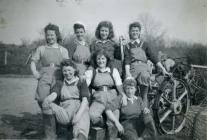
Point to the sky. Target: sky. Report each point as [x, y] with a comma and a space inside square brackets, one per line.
[24, 19]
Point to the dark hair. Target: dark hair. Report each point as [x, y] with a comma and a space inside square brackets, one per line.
[56, 29]
[69, 62]
[100, 52]
[130, 82]
[107, 24]
[135, 24]
[78, 26]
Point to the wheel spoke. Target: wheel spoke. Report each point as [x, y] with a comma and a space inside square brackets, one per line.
[182, 95]
[173, 123]
[166, 99]
[165, 115]
[174, 89]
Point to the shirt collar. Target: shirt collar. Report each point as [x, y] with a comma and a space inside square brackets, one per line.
[53, 46]
[137, 40]
[102, 41]
[75, 79]
[132, 99]
[80, 42]
[107, 69]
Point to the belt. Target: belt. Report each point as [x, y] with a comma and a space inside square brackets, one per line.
[104, 88]
[72, 98]
[138, 61]
[51, 65]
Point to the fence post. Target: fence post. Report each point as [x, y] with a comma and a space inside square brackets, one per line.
[5, 57]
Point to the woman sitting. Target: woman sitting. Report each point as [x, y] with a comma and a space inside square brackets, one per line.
[106, 84]
[73, 95]
[135, 117]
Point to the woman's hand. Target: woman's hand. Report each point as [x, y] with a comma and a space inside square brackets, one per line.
[36, 75]
[164, 71]
[50, 98]
[128, 75]
[119, 127]
[124, 99]
[76, 118]
[146, 110]
[122, 41]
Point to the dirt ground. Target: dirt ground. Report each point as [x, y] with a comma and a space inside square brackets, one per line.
[20, 116]
[19, 113]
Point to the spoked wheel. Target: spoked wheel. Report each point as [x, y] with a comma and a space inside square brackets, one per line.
[171, 106]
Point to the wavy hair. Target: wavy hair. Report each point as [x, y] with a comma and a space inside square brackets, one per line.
[69, 62]
[100, 52]
[54, 28]
[106, 24]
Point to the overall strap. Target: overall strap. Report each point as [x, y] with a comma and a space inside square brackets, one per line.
[111, 74]
[93, 78]
[141, 45]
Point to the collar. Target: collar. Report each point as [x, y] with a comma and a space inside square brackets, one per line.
[107, 69]
[83, 43]
[137, 40]
[131, 99]
[103, 41]
[53, 46]
[75, 79]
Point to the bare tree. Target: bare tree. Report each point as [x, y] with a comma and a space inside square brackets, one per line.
[153, 31]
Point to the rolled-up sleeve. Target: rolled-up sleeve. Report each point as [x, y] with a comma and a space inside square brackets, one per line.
[83, 88]
[88, 76]
[37, 54]
[151, 53]
[117, 77]
[64, 52]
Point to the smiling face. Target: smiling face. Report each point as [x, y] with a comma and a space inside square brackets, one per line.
[68, 72]
[134, 33]
[130, 91]
[80, 34]
[51, 37]
[104, 33]
[101, 61]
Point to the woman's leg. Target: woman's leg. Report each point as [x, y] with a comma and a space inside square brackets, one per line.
[143, 79]
[81, 128]
[95, 113]
[130, 132]
[112, 131]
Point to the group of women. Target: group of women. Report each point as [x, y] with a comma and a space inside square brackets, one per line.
[82, 85]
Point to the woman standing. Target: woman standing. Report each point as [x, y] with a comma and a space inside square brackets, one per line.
[50, 57]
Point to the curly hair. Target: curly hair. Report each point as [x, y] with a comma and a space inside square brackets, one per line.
[130, 82]
[134, 24]
[106, 24]
[97, 53]
[78, 26]
[69, 62]
[54, 28]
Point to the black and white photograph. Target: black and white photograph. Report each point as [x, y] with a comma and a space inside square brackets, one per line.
[103, 69]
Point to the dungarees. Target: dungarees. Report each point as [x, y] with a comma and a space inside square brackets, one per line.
[49, 72]
[69, 106]
[101, 98]
[139, 68]
[81, 55]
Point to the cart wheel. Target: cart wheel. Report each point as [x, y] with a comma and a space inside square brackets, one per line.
[171, 106]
